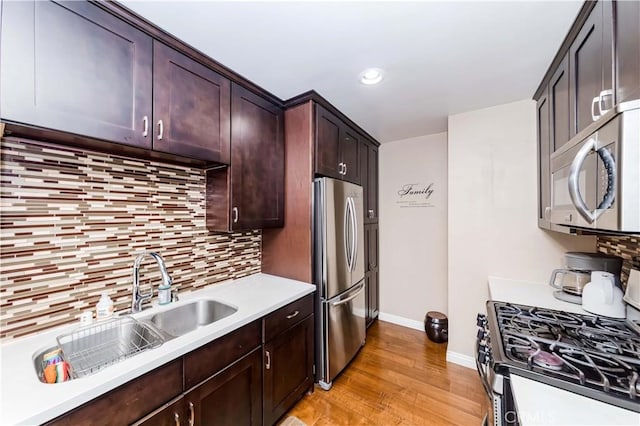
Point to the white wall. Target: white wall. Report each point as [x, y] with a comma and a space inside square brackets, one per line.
[492, 212]
[413, 229]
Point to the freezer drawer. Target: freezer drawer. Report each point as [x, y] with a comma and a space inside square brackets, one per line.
[343, 332]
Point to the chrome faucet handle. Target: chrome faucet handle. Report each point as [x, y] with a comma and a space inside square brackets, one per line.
[138, 298]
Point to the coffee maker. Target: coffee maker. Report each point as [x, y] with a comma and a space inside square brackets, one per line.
[570, 281]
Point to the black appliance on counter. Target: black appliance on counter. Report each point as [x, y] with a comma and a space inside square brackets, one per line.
[593, 356]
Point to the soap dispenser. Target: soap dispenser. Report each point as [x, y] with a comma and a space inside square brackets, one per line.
[104, 308]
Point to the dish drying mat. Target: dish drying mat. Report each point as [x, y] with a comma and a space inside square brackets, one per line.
[92, 348]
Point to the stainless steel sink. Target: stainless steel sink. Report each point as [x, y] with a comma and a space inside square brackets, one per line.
[183, 319]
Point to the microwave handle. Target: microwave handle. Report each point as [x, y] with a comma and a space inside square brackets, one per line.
[574, 187]
[610, 166]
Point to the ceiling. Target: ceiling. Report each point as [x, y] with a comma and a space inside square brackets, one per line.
[439, 57]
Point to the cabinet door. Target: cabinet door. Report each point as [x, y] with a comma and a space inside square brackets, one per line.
[590, 63]
[232, 397]
[257, 162]
[373, 246]
[372, 183]
[288, 369]
[544, 145]
[131, 401]
[73, 67]
[371, 279]
[173, 413]
[191, 107]
[328, 161]
[559, 104]
[350, 154]
[371, 275]
[627, 34]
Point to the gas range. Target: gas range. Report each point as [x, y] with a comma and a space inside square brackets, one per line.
[592, 356]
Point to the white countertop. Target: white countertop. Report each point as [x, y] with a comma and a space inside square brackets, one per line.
[541, 404]
[26, 400]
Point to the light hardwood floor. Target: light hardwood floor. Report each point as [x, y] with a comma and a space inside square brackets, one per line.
[400, 377]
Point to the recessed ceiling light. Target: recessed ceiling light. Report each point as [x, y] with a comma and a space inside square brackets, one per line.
[371, 76]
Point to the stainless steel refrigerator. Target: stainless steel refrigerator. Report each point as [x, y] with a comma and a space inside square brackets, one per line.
[339, 275]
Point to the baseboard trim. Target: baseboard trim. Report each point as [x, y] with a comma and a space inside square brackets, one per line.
[454, 357]
[460, 359]
[405, 322]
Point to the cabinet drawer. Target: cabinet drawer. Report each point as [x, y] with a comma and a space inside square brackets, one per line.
[130, 401]
[285, 317]
[212, 357]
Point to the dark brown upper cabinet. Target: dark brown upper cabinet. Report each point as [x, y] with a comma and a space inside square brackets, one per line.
[369, 179]
[591, 63]
[544, 163]
[73, 67]
[191, 107]
[560, 106]
[337, 148]
[627, 33]
[249, 194]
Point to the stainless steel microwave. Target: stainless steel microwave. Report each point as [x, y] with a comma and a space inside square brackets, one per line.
[595, 177]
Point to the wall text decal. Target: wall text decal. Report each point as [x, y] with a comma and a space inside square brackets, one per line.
[415, 195]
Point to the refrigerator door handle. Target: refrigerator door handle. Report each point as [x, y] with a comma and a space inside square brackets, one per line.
[347, 225]
[350, 298]
[354, 235]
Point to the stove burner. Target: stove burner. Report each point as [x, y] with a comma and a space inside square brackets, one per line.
[545, 359]
[600, 355]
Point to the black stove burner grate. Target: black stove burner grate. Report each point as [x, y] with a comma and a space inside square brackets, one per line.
[594, 352]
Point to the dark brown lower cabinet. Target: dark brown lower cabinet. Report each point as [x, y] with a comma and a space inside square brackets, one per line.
[232, 397]
[130, 401]
[371, 274]
[250, 376]
[288, 373]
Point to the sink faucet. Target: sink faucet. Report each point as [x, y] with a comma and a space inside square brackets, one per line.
[138, 298]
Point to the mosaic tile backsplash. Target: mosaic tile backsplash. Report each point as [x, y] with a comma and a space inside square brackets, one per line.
[627, 247]
[72, 224]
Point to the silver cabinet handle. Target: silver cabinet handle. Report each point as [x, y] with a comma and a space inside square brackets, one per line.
[192, 414]
[371, 214]
[594, 101]
[341, 168]
[268, 364]
[293, 315]
[604, 94]
[145, 131]
[176, 418]
[235, 214]
[160, 130]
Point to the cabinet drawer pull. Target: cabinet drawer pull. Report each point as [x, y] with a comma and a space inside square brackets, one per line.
[268, 356]
[176, 418]
[192, 414]
[293, 315]
[345, 169]
[145, 131]
[371, 215]
[160, 130]
[235, 215]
